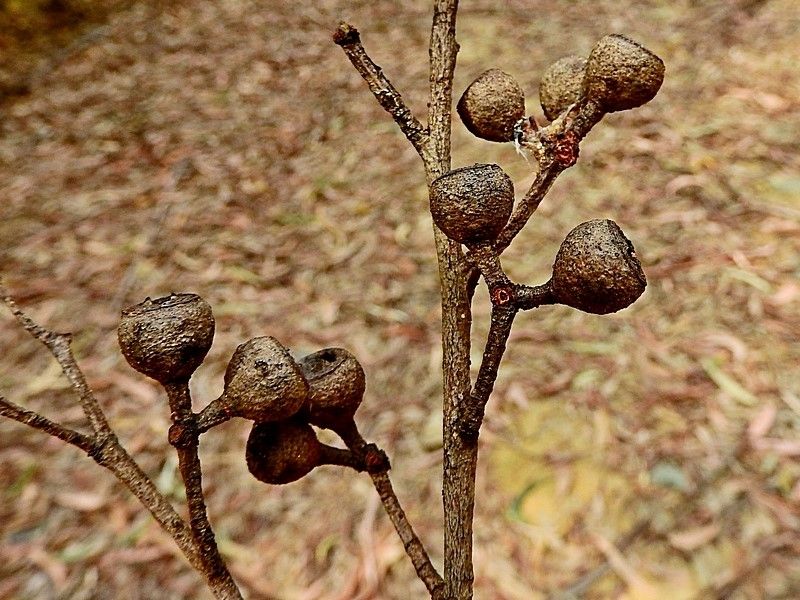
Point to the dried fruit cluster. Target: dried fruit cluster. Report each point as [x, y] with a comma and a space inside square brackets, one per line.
[596, 269]
[619, 74]
[168, 338]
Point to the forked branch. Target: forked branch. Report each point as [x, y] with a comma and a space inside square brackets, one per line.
[105, 449]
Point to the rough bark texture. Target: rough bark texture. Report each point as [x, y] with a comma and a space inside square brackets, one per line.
[184, 437]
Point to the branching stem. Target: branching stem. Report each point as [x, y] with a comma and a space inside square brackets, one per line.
[104, 448]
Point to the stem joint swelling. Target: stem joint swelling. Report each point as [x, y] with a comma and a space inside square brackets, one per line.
[101, 446]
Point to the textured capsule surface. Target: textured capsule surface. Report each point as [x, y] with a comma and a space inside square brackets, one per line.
[167, 338]
[336, 387]
[472, 204]
[492, 105]
[596, 269]
[263, 382]
[561, 85]
[622, 74]
[279, 453]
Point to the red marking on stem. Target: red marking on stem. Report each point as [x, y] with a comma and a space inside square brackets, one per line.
[502, 296]
[566, 149]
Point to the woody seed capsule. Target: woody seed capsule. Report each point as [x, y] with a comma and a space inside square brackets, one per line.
[263, 382]
[279, 453]
[561, 85]
[596, 269]
[472, 204]
[167, 338]
[336, 387]
[492, 105]
[621, 74]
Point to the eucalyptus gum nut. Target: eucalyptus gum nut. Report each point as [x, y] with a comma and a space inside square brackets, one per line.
[167, 338]
[561, 85]
[283, 452]
[263, 382]
[336, 387]
[621, 74]
[596, 269]
[471, 205]
[492, 105]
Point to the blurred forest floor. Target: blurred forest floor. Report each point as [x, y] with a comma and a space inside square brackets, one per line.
[229, 149]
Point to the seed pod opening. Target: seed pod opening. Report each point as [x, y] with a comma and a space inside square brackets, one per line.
[279, 453]
[621, 74]
[492, 105]
[596, 269]
[167, 338]
[336, 387]
[561, 85]
[263, 382]
[472, 204]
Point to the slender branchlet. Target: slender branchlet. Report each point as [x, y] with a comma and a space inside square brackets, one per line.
[389, 98]
[376, 463]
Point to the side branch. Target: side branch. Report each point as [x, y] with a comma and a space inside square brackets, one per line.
[527, 205]
[377, 465]
[499, 329]
[59, 346]
[385, 93]
[104, 447]
[37, 421]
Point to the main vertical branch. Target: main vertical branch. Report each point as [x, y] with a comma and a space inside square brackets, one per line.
[460, 455]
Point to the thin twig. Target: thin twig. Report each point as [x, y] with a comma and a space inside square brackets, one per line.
[385, 93]
[527, 205]
[556, 149]
[215, 413]
[377, 465]
[443, 50]
[527, 297]
[185, 438]
[59, 346]
[37, 421]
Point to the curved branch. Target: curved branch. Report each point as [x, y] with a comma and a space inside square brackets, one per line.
[105, 449]
[499, 330]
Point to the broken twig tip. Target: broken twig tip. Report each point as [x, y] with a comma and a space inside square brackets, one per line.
[346, 34]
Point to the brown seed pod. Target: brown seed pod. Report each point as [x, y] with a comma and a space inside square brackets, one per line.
[596, 269]
[263, 382]
[492, 105]
[471, 205]
[621, 74]
[336, 387]
[561, 85]
[282, 452]
[167, 338]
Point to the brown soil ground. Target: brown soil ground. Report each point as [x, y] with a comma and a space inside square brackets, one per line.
[229, 149]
